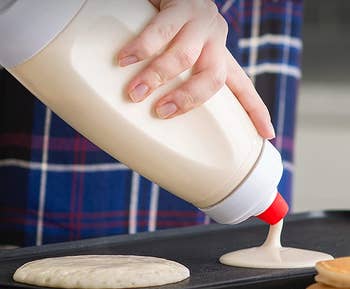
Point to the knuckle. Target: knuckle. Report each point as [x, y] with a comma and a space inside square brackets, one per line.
[144, 46]
[223, 26]
[218, 79]
[158, 76]
[247, 82]
[160, 71]
[186, 57]
[211, 7]
[188, 101]
[166, 32]
[245, 87]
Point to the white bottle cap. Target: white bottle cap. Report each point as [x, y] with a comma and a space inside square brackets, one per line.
[27, 26]
[255, 194]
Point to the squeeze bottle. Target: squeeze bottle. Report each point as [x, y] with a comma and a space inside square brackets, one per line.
[63, 52]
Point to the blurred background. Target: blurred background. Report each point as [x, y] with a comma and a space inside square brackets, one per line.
[322, 164]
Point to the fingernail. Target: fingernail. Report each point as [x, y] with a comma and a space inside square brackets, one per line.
[128, 60]
[166, 110]
[139, 92]
[272, 130]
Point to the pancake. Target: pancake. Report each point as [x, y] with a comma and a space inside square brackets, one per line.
[319, 286]
[101, 271]
[334, 273]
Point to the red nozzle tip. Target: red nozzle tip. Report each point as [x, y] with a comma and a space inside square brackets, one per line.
[276, 212]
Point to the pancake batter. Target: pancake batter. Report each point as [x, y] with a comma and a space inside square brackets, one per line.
[272, 255]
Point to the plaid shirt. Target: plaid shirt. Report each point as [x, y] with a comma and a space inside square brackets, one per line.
[57, 186]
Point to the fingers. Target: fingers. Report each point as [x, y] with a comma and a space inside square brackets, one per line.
[155, 3]
[154, 37]
[180, 56]
[194, 92]
[209, 75]
[242, 87]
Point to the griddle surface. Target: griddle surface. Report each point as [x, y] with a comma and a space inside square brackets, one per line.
[200, 247]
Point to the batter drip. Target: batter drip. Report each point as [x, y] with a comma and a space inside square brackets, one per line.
[272, 255]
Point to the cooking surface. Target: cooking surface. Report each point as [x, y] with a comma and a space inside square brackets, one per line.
[199, 248]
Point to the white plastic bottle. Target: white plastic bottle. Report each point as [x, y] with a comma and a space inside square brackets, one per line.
[63, 52]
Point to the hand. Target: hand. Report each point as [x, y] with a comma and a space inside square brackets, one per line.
[192, 35]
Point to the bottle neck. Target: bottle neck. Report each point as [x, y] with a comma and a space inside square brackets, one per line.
[275, 212]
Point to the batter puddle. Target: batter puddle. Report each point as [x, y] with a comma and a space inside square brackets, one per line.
[272, 255]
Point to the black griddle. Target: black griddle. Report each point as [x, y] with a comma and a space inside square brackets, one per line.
[200, 247]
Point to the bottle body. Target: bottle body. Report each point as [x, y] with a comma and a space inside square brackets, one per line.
[201, 156]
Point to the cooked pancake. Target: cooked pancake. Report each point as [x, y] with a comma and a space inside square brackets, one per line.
[335, 273]
[101, 271]
[319, 286]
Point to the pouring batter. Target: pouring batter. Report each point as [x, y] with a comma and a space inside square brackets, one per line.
[271, 254]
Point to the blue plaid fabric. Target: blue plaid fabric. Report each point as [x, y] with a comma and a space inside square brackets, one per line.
[57, 186]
